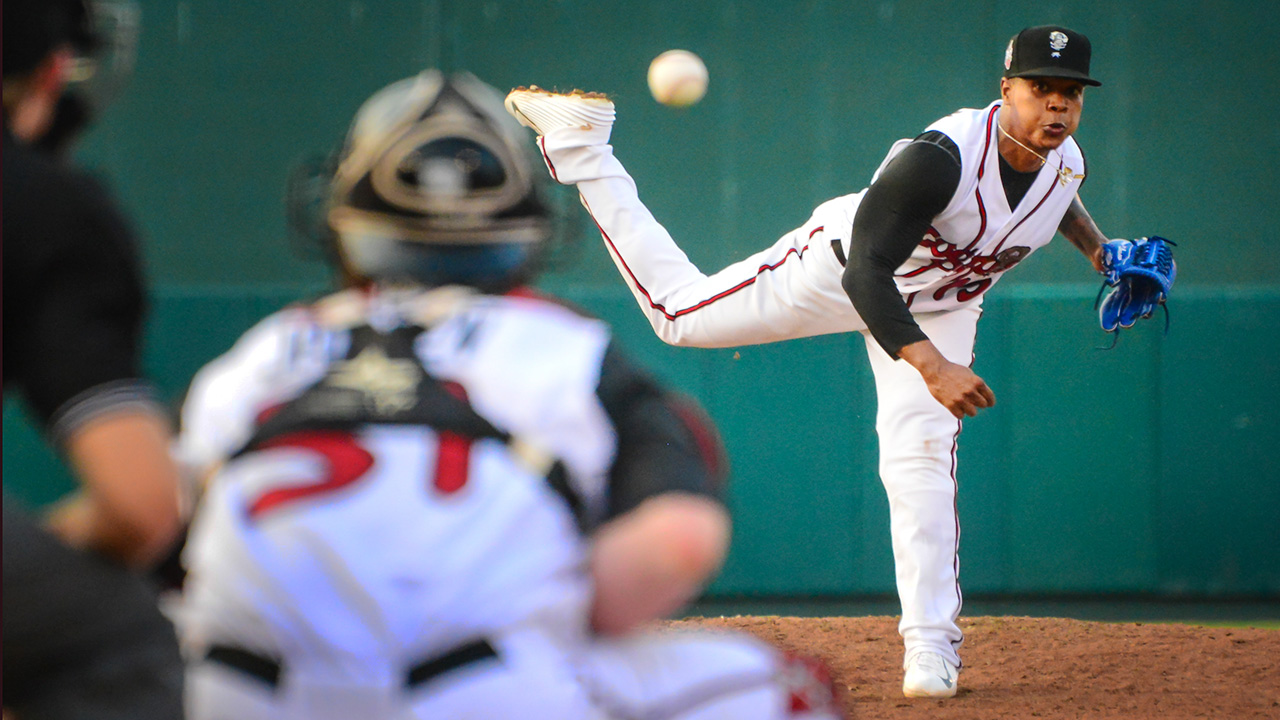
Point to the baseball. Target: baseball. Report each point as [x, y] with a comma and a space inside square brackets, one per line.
[677, 78]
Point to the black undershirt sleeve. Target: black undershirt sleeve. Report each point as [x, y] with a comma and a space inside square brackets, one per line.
[665, 442]
[894, 215]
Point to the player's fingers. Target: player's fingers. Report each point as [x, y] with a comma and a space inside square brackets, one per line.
[981, 396]
[988, 395]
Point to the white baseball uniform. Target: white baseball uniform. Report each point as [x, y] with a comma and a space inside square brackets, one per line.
[397, 524]
[793, 289]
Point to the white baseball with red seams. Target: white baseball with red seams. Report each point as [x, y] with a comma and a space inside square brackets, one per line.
[793, 289]
[678, 78]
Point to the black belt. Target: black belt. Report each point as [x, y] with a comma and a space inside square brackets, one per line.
[268, 669]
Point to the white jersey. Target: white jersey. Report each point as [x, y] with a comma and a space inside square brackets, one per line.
[978, 237]
[372, 546]
[367, 548]
[793, 288]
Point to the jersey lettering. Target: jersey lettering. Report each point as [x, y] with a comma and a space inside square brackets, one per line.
[965, 264]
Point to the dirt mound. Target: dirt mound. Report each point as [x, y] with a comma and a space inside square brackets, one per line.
[1044, 668]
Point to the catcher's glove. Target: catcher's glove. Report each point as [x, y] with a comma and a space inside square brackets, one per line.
[1140, 273]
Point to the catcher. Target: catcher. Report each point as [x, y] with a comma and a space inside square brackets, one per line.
[439, 494]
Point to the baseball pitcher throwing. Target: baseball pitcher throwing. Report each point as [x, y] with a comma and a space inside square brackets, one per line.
[906, 262]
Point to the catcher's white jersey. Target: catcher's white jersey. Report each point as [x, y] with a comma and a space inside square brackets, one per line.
[362, 549]
[427, 565]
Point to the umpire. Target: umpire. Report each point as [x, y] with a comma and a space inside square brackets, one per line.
[83, 637]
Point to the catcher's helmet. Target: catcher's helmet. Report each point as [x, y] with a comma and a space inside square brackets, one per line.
[435, 186]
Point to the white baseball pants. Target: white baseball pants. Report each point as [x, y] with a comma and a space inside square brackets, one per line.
[661, 675]
[792, 290]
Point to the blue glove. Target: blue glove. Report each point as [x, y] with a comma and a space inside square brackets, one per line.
[1141, 274]
[1116, 256]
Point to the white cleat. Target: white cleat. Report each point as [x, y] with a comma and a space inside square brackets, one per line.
[546, 112]
[929, 675]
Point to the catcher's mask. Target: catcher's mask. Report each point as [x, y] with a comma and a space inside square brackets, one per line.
[436, 186]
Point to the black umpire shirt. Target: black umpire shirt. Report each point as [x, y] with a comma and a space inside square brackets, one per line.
[73, 300]
[83, 636]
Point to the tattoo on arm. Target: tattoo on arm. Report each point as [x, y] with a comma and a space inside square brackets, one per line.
[1078, 227]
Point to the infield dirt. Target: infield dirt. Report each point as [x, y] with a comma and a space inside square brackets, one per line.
[1042, 668]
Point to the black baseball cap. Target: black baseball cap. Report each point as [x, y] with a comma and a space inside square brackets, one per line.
[33, 29]
[1049, 51]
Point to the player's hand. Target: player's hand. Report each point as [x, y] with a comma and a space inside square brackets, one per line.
[960, 390]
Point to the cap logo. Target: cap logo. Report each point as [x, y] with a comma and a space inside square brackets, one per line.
[1008, 55]
[1057, 41]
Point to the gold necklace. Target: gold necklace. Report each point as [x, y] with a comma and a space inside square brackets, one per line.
[1065, 174]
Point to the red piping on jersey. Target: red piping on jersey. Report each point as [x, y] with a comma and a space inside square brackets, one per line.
[662, 308]
[543, 149]
[955, 506]
[1051, 187]
[982, 167]
[955, 513]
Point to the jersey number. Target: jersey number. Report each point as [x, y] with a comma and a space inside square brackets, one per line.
[348, 462]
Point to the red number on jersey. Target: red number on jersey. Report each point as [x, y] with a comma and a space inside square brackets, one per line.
[347, 462]
[453, 460]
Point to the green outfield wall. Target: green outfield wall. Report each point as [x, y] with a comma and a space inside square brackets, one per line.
[1149, 468]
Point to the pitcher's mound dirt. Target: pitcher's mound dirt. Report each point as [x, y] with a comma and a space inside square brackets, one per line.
[1043, 668]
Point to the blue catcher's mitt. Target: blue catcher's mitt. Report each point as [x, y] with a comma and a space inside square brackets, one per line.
[1140, 273]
